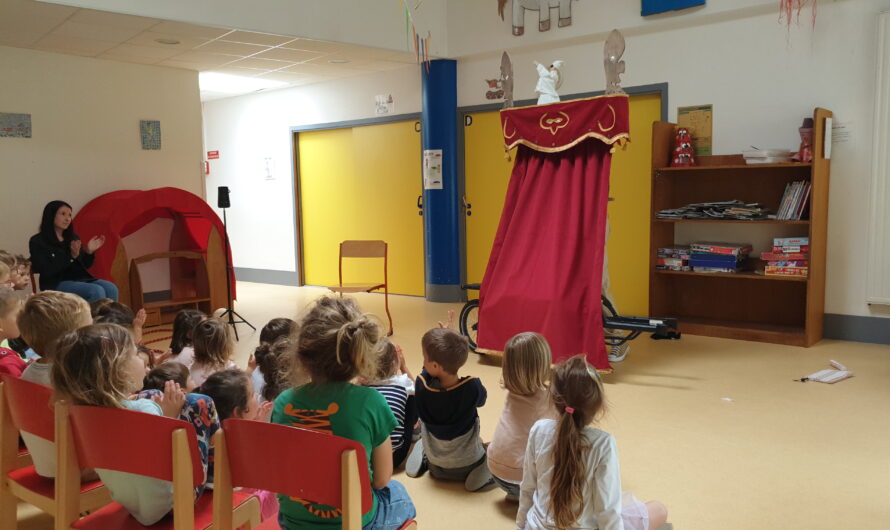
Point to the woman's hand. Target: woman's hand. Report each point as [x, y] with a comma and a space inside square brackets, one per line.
[172, 401]
[95, 244]
[75, 248]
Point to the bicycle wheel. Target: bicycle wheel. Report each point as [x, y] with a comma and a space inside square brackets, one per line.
[469, 322]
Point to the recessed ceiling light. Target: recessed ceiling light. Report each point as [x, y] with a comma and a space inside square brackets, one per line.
[338, 61]
[167, 41]
[234, 84]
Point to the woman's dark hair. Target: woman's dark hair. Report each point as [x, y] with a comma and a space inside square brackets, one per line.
[172, 371]
[183, 324]
[228, 389]
[48, 227]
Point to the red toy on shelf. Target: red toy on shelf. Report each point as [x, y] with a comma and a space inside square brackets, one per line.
[684, 155]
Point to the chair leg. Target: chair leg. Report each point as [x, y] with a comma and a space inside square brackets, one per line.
[8, 503]
[386, 304]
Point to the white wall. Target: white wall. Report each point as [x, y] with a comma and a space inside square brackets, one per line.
[85, 116]
[247, 129]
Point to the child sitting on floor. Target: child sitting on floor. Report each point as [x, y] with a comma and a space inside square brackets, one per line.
[98, 366]
[157, 378]
[6, 276]
[181, 344]
[112, 312]
[394, 382]
[571, 476]
[337, 342]
[450, 446]
[10, 307]
[45, 317]
[280, 370]
[275, 329]
[526, 371]
[213, 349]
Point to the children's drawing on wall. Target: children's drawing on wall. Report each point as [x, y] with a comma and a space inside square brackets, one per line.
[15, 125]
[150, 132]
[543, 8]
[652, 7]
[384, 104]
[549, 81]
[502, 87]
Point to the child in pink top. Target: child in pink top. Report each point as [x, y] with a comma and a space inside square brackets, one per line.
[526, 374]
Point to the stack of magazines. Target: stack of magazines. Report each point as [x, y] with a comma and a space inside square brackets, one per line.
[794, 200]
[716, 210]
[674, 258]
[789, 257]
[718, 257]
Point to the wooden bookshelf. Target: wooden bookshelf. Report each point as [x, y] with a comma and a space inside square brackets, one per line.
[745, 305]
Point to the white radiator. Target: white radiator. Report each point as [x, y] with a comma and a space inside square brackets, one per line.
[878, 280]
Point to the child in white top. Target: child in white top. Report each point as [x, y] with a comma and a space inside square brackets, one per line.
[213, 349]
[181, 350]
[97, 365]
[571, 477]
[47, 316]
[526, 371]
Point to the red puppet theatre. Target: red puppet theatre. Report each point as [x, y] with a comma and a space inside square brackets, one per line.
[545, 269]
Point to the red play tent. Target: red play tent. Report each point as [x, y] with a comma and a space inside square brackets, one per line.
[121, 213]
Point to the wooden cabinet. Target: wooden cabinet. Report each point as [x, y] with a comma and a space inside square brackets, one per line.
[744, 305]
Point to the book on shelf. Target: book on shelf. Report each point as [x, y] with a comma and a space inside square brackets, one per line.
[715, 260]
[789, 263]
[712, 270]
[785, 271]
[794, 200]
[672, 262]
[802, 249]
[673, 268]
[779, 256]
[734, 249]
[676, 251]
[791, 241]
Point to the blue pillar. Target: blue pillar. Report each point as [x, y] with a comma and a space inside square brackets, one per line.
[441, 207]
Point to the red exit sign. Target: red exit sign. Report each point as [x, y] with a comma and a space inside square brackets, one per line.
[212, 155]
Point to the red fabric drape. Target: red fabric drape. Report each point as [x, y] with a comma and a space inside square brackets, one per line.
[545, 269]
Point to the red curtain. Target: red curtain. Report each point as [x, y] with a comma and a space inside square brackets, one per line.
[545, 269]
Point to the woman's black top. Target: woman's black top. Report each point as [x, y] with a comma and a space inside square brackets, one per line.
[53, 261]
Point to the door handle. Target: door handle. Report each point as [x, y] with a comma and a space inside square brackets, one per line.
[420, 205]
[468, 208]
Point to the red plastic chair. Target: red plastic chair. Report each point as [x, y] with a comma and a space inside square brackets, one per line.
[142, 444]
[26, 406]
[291, 472]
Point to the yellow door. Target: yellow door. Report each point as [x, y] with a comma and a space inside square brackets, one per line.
[362, 183]
[488, 172]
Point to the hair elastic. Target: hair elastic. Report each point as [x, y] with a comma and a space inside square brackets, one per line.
[570, 410]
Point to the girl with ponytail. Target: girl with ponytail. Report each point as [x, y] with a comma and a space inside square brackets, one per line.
[335, 344]
[571, 477]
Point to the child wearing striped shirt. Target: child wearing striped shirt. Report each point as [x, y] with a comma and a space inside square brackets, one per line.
[396, 384]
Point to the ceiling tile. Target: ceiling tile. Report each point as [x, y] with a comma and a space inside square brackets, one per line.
[72, 45]
[286, 77]
[148, 52]
[247, 72]
[16, 21]
[249, 37]
[150, 39]
[286, 54]
[320, 69]
[108, 33]
[213, 59]
[18, 39]
[232, 48]
[128, 58]
[31, 8]
[315, 46]
[260, 64]
[173, 63]
[190, 30]
[401, 57]
[384, 66]
[116, 20]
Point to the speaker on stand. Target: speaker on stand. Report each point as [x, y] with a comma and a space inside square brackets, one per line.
[229, 315]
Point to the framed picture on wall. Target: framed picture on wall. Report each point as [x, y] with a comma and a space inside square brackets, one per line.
[150, 133]
[651, 7]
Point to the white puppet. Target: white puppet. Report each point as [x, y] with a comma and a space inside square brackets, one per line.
[549, 81]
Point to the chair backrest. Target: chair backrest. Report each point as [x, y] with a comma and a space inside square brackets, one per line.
[30, 406]
[130, 441]
[363, 249]
[306, 463]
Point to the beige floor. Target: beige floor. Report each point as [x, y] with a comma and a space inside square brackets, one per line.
[714, 428]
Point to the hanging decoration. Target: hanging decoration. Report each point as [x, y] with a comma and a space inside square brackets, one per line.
[789, 11]
[421, 45]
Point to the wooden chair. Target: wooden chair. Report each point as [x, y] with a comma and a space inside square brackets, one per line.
[365, 249]
[328, 469]
[142, 444]
[26, 406]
